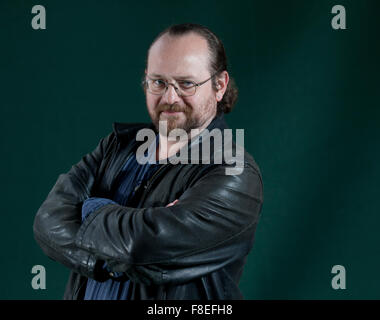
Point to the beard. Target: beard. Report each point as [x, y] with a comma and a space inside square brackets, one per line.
[175, 121]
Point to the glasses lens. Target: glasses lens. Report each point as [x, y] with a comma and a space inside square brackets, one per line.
[156, 86]
[186, 88]
[183, 88]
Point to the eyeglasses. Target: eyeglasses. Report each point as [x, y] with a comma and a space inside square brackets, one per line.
[184, 88]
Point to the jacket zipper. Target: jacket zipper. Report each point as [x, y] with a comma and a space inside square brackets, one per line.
[149, 183]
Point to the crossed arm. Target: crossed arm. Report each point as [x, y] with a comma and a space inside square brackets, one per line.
[211, 225]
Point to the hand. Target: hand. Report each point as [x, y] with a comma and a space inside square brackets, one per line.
[172, 203]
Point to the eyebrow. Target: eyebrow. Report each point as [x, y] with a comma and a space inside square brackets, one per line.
[176, 78]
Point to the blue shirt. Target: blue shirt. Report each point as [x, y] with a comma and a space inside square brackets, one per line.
[132, 175]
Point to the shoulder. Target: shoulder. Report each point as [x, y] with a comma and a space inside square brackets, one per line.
[123, 130]
[122, 133]
[243, 172]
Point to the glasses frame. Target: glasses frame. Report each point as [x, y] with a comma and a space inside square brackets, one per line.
[177, 90]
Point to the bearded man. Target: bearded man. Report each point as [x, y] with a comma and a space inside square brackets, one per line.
[131, 231]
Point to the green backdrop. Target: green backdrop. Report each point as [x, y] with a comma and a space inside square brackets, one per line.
[309, 104]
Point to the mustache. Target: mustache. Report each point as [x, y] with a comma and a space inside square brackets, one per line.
[173, 108]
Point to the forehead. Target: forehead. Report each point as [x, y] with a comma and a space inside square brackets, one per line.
[179, 55]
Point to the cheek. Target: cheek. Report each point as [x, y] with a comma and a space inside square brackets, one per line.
[191, 102]
[199, 104]
[203, 98]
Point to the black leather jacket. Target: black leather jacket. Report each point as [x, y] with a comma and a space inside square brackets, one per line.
[195, 249]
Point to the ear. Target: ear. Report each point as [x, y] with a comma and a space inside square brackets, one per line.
[221, 85]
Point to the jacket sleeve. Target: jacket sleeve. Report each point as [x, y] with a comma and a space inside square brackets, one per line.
[212, 225]
[58, 219]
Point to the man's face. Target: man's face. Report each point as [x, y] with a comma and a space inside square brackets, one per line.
[181, 58]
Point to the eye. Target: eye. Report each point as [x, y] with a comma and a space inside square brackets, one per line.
[185, 84]
[158, 83]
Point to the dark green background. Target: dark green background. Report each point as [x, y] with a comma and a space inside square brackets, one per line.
[309, 104]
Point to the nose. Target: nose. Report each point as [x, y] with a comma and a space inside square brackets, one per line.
[170, 96]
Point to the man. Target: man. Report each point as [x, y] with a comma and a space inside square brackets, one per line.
[158, 230]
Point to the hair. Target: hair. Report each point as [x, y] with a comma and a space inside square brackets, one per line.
[217, 61]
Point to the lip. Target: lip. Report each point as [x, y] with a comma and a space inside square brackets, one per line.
[171, 112]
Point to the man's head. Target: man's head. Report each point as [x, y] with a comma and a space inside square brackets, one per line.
[183, 55]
